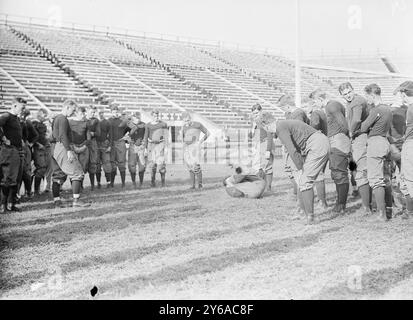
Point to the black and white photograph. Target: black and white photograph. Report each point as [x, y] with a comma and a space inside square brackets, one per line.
[215, 150]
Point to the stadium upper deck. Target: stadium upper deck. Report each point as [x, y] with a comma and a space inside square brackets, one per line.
[49, 65]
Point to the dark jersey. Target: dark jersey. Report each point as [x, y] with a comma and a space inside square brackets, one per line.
[151, 134]
[318, 120]
[398, 125]
[10, 125]
[41, 129]
[61, 131]
[79, 131]
[118, 128]
[28, 131]
[93, 128]
[298, 114]
[357, 111]
[104, 131]
[294, 134]
[137, 132]
[378, 122]
[336, 118]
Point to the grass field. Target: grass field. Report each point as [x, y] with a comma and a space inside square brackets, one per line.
[176, 243]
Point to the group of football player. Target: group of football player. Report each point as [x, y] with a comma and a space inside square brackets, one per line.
[367, 143]
[77, 141]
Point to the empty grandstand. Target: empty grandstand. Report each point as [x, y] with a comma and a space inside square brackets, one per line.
[48, 65]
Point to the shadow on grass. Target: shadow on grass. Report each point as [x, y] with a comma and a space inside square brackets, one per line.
[97, 212]
[374, 283]
[129, 286]
[68, 231]
[274, 194]
[148, 193]
[331, 215]
[9, 283]
[113, 197]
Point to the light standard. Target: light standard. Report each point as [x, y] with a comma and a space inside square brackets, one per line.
[297, 55]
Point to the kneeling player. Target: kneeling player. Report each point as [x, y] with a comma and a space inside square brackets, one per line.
[242, 185]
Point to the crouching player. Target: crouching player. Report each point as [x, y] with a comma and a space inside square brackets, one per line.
[301, 139]
[192, 147]
[289, 167]
[337, 132]
[156, 134]
[242, 185]
[318, 120]
[64, 160]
